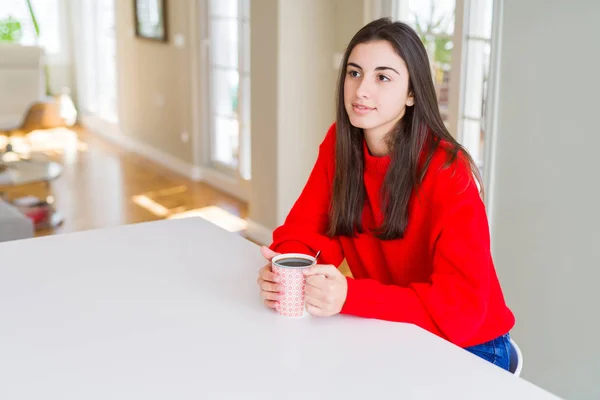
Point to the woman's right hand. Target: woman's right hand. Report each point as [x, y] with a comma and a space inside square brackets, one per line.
[267, 281]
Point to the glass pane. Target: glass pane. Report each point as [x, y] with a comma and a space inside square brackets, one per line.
[224, 87]
[223, 8]
[245, 9]
[434, 22]
[480, 19]
[245, 155]
[106, 58]
[431, 16]
[230, 103]
[476, 76]
[487, 50]
[472, 139]
[439, 50]
[477, 67]
[224, 42]
[225, 143]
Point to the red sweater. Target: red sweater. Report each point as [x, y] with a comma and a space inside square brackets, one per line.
[440, 276]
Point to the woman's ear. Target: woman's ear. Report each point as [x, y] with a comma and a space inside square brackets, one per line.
[410, 100]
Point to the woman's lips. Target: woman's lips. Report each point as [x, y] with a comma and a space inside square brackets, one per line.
[361, 109]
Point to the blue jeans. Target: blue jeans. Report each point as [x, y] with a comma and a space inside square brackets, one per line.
[496, 351]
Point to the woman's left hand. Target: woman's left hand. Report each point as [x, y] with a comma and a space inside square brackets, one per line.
[325, 291]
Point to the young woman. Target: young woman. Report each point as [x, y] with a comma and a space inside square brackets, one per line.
[394, 194]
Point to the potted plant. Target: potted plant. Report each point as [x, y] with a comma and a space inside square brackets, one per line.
[10, 30]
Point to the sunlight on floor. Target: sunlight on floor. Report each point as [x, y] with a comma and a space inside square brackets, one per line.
[61, 141]
[150, 205]
[217, 216]
[57, 139]
[213, 214]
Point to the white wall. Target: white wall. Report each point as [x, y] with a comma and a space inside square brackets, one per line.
[293, 97]
[264, 66]
[307, 83]
[545, 204]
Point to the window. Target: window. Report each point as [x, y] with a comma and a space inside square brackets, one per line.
[49, 18]
[229, 58]
[98, 59]
[460, 79]
[477, 67]
[434, 22]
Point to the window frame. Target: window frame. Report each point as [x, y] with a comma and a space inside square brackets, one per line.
[461, 61]
[242, 167]
[63, 55]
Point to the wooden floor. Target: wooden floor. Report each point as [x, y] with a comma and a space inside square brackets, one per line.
[104, 186]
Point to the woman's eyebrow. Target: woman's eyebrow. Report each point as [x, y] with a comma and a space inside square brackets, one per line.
[384, 68]
[351, 64]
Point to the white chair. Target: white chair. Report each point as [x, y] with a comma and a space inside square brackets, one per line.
[516, 359]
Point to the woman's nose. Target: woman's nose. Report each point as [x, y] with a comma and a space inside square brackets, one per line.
[363, 90]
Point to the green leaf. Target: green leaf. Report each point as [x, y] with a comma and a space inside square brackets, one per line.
[33, 19]
[10, 30]
[443, 50]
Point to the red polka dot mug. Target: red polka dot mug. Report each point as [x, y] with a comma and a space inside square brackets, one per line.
[289, 269]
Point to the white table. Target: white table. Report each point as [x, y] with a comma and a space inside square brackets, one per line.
[170, 310]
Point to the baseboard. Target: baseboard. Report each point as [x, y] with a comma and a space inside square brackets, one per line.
[214, 178]
[259, 233]
[111, 132]
[224, 183]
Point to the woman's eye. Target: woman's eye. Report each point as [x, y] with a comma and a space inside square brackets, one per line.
[354, 74]
[383, 78]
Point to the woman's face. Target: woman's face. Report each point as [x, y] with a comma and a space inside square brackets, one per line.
[376, 87]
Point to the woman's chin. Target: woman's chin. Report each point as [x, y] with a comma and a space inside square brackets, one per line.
[360, 123]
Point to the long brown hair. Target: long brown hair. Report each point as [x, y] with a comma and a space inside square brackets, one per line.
[421, 129]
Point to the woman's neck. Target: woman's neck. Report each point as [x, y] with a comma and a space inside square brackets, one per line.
[376, 142]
